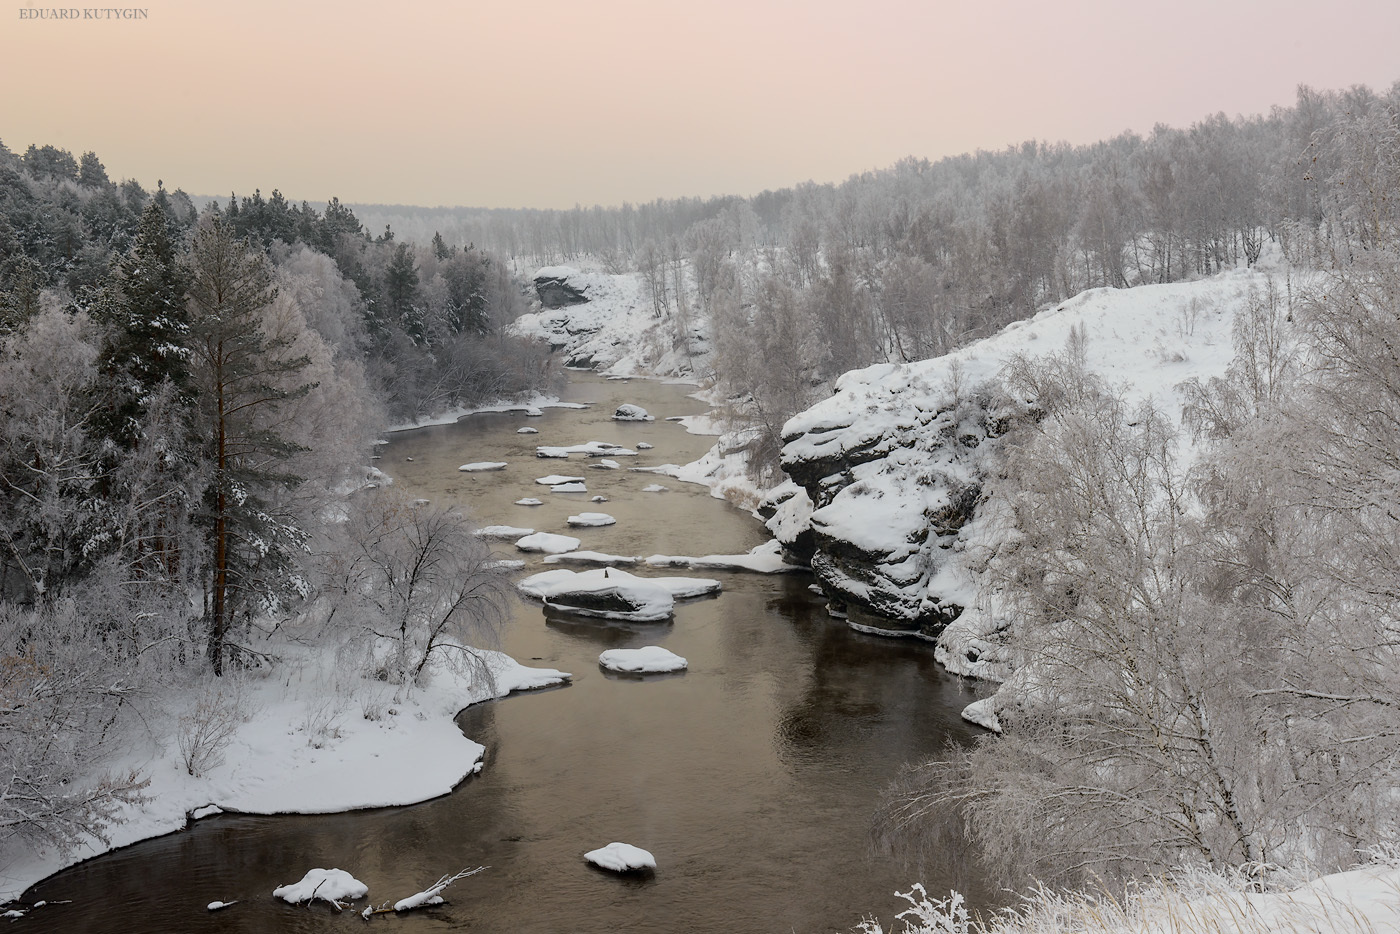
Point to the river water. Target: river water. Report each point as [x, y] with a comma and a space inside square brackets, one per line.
[752, 777]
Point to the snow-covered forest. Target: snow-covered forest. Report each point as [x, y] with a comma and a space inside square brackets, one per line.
[1183, 572]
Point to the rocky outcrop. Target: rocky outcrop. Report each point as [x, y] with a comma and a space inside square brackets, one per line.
[553, 286]
[900, 464]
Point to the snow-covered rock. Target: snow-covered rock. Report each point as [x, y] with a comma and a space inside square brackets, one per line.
[983, 713]
[655, 488]
[617, 330]
[621, 857]
[529, 501]
[649, 659]
[575, 487]
[483, 466]
[643, 446]
[331, 885]
[592, 557]
[588, 449]
[557, 287]
[502, 532]
[555, 479]
[614, 594]
[548, 543]
[762, 559]
[627, 412]
[896, 514]
[527, 430]
[600, 498]
[591, 520]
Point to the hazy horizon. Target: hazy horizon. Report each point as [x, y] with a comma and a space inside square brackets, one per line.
[617, 101]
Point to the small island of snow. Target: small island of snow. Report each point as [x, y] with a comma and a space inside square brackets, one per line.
[548, 543]
[331, 885]
[649, 659]
[591, 520]
[621, 857]
[627, 412]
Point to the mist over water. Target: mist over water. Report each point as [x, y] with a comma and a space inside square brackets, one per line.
[752, 777]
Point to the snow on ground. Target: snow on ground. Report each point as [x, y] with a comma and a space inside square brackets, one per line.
[483, 466]
[621, 857]
[330, 885]
[1363, 900]
[548, 542]
[648, 660]
[591, 520]
[531, 404]
[314, 740]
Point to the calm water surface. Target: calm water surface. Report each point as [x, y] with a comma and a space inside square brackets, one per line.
[751, 777]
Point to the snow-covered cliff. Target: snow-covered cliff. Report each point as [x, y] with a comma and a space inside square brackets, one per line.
[896, 461]
[607, 322]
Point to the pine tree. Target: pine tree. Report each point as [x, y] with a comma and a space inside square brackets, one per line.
[143, 307]
[401, 293]
[440, 248]
[246, 378]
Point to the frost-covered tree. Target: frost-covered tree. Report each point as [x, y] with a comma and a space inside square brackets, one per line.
[246, 377]
[409, 582]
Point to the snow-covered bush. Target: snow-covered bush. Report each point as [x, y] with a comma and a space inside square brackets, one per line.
[205, 730]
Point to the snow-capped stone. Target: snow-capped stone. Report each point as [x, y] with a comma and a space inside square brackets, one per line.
[655, 488]
[219, 906]
[548, 543]
[643, 446]
[621, 857]
[527, 430]
[569, 488]
[983, 713]
[529, 501]
[614, 594]
[332, 885]
[600, 498]
[502, 531]
[627, 412]
[649, 659]
[591, 520]
[588, 449]
[591, 557]
[483, 466]
[556, 479]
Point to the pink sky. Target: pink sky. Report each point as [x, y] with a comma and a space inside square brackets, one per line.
[548, 103]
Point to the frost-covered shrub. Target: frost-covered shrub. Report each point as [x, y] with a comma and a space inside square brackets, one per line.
[205, 731]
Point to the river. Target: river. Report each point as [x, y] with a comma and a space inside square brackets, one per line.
[752, 777]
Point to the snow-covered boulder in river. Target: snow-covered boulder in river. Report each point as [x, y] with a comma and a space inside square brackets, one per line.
[613, 594]
[483, 466]
[591, 520]
[621, 857]
[331, 885]
[893, 506]
[548, 543]
[648, 660]
[627, 412]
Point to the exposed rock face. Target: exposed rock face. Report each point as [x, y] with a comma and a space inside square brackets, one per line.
[894, 483]
[904, 521]
[555, 290]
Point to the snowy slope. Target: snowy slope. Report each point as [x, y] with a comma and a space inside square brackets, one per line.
[894, 462]
[313, 742]
[616, 331]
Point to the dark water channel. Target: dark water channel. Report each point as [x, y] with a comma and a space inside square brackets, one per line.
[752, 777]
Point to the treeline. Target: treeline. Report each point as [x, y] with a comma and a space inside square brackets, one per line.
[912, 261]
[187, 407]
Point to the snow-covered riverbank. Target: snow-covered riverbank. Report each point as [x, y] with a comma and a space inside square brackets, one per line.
[305, 738]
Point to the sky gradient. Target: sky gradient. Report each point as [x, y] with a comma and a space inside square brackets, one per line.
[551, 104]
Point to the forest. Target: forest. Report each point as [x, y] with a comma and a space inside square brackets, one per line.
[189, 397]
